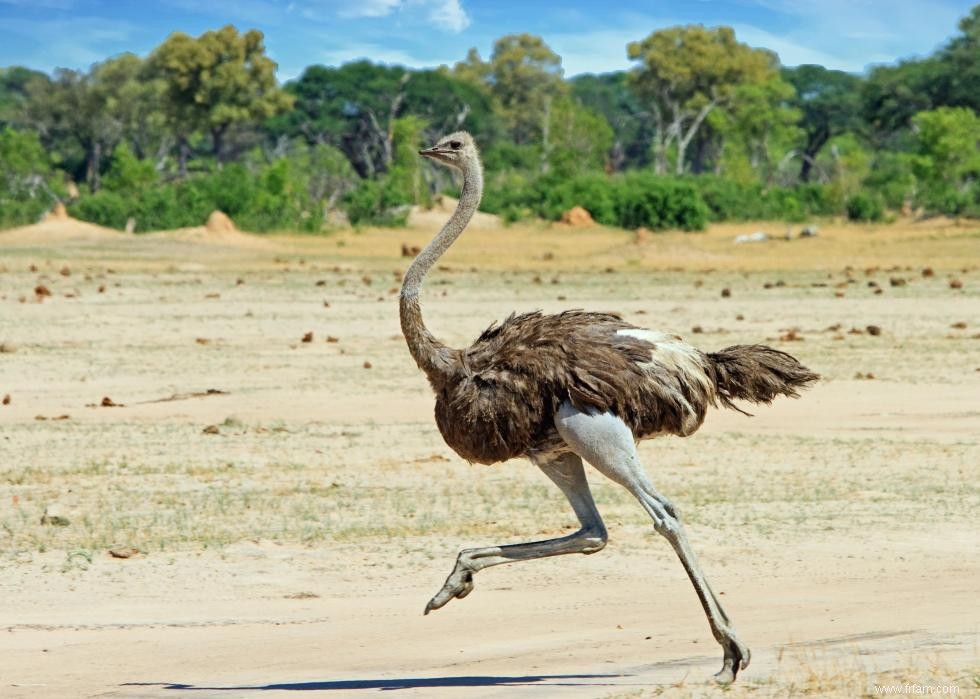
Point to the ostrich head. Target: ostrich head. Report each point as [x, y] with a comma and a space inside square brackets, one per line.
[457, 150]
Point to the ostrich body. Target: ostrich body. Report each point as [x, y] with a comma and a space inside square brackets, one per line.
[560, 389]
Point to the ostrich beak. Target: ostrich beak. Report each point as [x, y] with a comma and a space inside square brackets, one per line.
[429, 152]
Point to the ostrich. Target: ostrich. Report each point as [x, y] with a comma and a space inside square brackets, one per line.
[560, 389]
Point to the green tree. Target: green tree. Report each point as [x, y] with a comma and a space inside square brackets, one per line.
[757, 131]
[611, 95]
[355, 107]
[129, 174]
[14, 82]
[892, 95]
[685, 73]
[133, 96]
[214, 82]
[947, 143]
[24, 174]
[71, 109]
[524, 76]
[962, 58]
[578, 139]
[830, 104]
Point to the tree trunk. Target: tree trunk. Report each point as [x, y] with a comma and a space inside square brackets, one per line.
[546, 136]
[814, 143]
[684, 137]
[93, 163]
[218, 143]
[660, 141]
[183, 153]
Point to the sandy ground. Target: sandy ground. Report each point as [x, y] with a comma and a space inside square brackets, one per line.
[292, 545]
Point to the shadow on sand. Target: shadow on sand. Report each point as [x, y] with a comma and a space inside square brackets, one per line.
[405, 683]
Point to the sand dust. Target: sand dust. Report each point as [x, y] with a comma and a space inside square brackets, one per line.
[294, 510]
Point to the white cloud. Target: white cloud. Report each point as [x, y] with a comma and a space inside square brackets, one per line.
[449, 14]
[375, 53]
[852, 34]
[369, 8]
[446, 14]
[600, 51]
[793, 53]
[71, 43]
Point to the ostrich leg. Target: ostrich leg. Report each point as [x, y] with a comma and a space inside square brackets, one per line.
[607, 443]
[567, 473]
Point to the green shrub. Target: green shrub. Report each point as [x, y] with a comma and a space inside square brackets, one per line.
[128, 174]
[26, 181]
[105, 208]
[377, 203]
[14, 212]
[865, 207]
[645, 199]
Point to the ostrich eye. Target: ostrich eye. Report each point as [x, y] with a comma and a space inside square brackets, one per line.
[455, 145]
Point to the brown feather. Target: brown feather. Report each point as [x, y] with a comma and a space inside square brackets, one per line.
[500, 401]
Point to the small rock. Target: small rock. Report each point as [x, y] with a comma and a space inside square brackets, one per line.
[791, 335]
[65, 271]
[367, 365]
[321, 282]
[308, 337]
[102, 288]
[331, 338]
[7, 348]
[961, 325]
[40, 291]
[955, 284]
[6, 399]
[302, 595]
[211, 429]
[726, 293]
[123, 551]
[927, 272]
[896, 281]
[697, 330]
[107, 402]
[873, 330]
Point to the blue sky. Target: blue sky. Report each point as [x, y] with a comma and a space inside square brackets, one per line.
[589, 35]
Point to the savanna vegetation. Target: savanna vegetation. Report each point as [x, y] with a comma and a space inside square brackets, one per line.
[701, 128]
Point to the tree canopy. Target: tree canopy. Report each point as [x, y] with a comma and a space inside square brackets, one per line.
[703, 125]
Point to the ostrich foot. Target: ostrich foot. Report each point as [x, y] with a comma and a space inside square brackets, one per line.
[737, 657]
[458, 585]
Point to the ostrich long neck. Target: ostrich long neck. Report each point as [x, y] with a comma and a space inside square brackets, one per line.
[433, 357]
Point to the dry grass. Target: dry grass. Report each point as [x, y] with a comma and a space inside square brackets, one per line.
[312, 448]
[816, 674]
